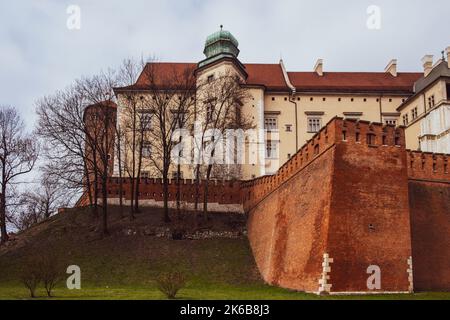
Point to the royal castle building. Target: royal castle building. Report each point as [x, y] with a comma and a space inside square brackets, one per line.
[292, 106]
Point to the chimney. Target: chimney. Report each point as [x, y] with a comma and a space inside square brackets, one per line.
[318, 68]
[392, 67]
[448, 56]
[427, 62]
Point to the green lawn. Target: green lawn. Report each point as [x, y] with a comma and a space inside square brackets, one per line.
[196, 292]
[124, 266]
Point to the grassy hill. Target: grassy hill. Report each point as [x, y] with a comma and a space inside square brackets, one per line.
[215, 257]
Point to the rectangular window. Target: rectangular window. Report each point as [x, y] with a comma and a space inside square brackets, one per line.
[270, 123]
[414, 113]
[314, 124]
[145, 174]
[271, 149]
[405, 120]
[175, 175]
[390, 122]
[288, 128]
[210, 113]
[179, 120]
[147, 150]
[431, 101]
[146, 121]
[370, 139]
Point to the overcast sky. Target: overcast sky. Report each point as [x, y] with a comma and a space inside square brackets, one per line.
[39, 54]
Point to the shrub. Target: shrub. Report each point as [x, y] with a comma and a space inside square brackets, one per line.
[49, 272]
[171, 283]
[43, 269]
[30, 278]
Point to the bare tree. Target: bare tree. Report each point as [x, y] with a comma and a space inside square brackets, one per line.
[152, 111]
[221, 101]
[38, 204]
[49, 270]
[129, 126]
[30, 275]
[119, 143]
[18, 155]
[100, 125]
[78, 123]
[62, 127]
[42, 267]
[171, 101]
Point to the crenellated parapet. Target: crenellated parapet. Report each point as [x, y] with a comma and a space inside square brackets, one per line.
[371, 134]
[339, 195]
[337, 131]
[428, 166]
[219, 191]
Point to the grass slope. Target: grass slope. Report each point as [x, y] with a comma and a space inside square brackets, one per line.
[125, 264]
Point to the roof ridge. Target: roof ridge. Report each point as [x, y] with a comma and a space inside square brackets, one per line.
[359, 72]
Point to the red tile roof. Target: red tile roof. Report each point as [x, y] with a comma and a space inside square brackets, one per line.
[271, 77]
[354, 81]
[164, 75]
[268, 75]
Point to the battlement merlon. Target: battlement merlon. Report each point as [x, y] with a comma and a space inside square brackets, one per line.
[428, 166]
[336, 131]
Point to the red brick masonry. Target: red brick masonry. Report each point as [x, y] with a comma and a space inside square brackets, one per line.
[352, 197]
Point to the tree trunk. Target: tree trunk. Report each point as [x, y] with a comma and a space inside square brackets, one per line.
[119, 158]
[121, 195]
[132, 181]
[136, 194]
[205, 200]
[105, 205]
[138, 176]
[205, 193]
[95, 207]
[178, 190]
[133, 166]
[166, 198]
[88, 183]
[197, 187]
[4, 236]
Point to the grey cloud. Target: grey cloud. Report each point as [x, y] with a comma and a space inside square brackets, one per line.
[38, 55]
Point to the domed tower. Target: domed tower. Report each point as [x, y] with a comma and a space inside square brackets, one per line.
[221, 45]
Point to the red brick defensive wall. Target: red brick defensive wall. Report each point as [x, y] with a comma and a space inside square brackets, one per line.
[429, 201]
[353, 199]
[223, 196]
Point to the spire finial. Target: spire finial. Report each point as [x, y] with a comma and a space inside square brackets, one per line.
[221, 27]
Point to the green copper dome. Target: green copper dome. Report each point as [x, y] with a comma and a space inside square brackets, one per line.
[221, 35]
[218, 45]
